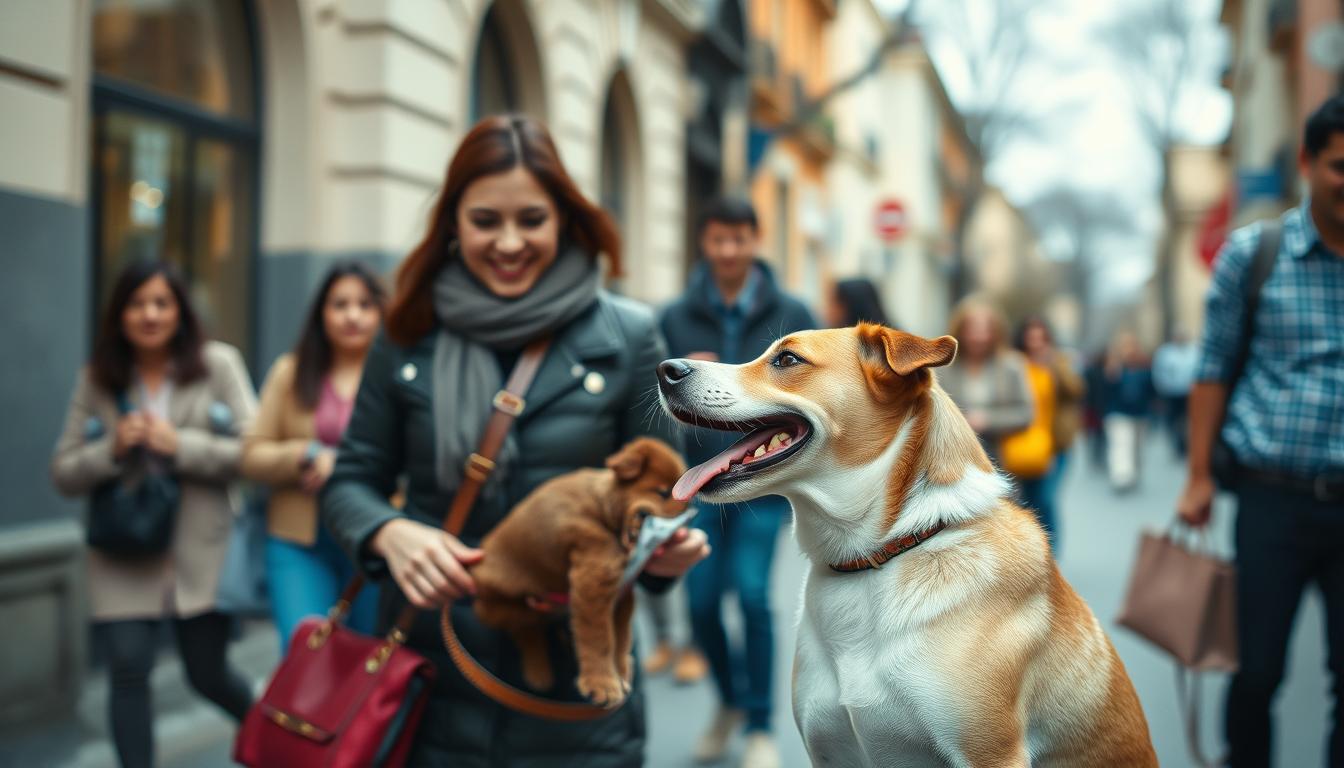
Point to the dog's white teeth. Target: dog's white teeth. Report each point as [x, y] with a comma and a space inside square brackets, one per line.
[774, 442]
[760, 451]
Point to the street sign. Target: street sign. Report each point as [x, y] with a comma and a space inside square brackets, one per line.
[890, 220]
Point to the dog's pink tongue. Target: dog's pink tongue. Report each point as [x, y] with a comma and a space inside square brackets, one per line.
[696, 477]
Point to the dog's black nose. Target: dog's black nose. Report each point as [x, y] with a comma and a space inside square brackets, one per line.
[673, 371]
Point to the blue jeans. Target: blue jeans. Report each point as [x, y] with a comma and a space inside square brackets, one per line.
[742, 538]
[1286, 541]
[306, 581]
[1040, 496]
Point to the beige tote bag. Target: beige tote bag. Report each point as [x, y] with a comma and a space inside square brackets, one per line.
[1184, 601]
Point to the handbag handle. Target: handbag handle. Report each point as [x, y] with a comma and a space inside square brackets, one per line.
[1188, 687]
[1195, 539]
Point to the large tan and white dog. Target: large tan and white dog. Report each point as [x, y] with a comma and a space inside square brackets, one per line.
[935, 627]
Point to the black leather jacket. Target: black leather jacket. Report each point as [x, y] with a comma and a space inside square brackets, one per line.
[566, 425]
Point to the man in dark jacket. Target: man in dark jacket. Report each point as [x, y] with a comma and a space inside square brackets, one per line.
[731, 312]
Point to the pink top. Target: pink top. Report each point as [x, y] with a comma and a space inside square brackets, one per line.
[331, 415]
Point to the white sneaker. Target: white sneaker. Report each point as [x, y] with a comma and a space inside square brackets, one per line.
[714, 744]
[761, 751]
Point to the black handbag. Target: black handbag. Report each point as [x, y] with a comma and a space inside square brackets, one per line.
[133, 516]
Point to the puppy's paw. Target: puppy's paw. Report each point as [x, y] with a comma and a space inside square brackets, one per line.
[603, 689]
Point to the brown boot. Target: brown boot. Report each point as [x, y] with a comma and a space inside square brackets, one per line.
[660, 660]
[691, 667]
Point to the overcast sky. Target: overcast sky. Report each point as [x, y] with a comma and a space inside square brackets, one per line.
[1092, 138]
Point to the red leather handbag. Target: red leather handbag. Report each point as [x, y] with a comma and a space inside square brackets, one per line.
[344, 700]
[340, 699]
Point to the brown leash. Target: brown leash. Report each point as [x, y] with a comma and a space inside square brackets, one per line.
[508, 404]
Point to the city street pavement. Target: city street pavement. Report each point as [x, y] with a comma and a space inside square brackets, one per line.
[1099, 534]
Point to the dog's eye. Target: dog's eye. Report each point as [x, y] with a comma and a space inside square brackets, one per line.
[786, 359]
[666, 493]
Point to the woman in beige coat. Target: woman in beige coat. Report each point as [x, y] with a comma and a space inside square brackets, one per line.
[186, 400]
[291, 446]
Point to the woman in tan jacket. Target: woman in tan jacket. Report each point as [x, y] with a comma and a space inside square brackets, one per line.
[291, 446]
[157, 397]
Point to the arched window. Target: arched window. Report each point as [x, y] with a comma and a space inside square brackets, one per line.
[493, 89]
[175, 142]
[621, 174]
[506, 70]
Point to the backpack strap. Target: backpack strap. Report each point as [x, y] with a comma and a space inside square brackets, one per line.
[1266, 254]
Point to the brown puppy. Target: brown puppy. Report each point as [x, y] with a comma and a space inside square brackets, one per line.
[572, 536]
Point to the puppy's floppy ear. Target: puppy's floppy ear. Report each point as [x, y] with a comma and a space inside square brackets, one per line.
[888, 355]
[628, 463]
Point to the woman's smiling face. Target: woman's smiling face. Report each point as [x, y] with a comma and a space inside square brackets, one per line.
[508, 228]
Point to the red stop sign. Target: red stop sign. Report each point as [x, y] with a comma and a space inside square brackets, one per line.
[890, 220]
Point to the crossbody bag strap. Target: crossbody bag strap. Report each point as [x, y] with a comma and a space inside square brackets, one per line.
[508, 404]
[1266, 254]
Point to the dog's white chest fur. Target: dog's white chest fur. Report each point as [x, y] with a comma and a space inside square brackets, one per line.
[866, 692]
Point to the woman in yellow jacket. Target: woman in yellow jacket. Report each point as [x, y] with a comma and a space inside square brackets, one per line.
[291, 446]
[1038, 454]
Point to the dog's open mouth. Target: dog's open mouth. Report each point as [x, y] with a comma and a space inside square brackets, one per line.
[767, 443]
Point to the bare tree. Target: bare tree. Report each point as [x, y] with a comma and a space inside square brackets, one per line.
[1154, 42]
[992, 39]
[1084, 218]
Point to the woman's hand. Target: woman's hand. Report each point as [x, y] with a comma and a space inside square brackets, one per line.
[161, 436]
[675, 557]
[428, 564]
[132, 430]
[315, 473]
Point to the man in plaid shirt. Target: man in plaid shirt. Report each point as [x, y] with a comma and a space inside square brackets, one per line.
[1285, 425]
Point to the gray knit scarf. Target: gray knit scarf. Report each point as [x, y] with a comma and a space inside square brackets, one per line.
[475, 323]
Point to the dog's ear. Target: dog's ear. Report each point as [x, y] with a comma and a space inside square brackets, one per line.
[888, 354]
[628, 463]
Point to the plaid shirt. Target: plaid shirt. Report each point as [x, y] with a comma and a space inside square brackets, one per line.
[1287, 411]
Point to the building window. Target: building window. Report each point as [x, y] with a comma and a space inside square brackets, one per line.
[175, 141]
[506, 68]
[493, 89]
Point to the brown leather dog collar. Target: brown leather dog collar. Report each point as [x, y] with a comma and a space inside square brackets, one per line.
[892, 549]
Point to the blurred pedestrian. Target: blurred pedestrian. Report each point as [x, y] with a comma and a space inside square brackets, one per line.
[1094, 409]
[1270, 388]
[681, 658]
[158, 398]
[731, 312]
[1058, 394]
[1174, 365]
[988, 380]
[854, 301]
[291, 447]
[511, 256]
[1128, 399]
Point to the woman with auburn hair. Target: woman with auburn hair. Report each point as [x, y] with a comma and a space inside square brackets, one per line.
[511, 257]
[159, 399]
[291, 447]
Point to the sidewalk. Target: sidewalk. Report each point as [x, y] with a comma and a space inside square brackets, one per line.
[184, 723]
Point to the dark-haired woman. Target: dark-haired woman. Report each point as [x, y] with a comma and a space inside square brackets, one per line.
[158, 397]
[291, 446]
[854, 301]
[511, 256]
